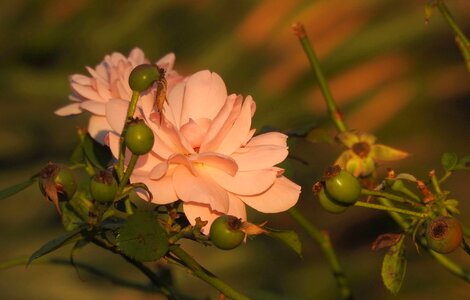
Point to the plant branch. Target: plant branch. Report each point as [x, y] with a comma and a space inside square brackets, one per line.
[333, 110]
[390, 208]
[324, 241]
[200, 272]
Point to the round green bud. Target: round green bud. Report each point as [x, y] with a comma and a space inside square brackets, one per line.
[139, 138]
[143, 76]
[225, 232]
[103, 186]
[327, 202]
[342, 186]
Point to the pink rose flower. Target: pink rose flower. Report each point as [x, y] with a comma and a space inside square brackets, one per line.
[108, 87]
[205, 153]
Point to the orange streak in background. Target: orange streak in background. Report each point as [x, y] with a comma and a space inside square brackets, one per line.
[383, 107]
[362, 78]
[261, 21]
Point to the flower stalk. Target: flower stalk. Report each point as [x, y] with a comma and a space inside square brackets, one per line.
[335, 114]
[324, 241]
[197, 270]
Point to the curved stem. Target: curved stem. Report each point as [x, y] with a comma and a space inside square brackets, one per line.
[390, 208]
[163, 288]
[324, 241]
[333, 110]
[460, 37]
[199, 271]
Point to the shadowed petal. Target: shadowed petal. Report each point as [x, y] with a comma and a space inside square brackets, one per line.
[259, 157]
[244, 183]
[162, 190]
[116, 111]
[98, 128]
[221, 162]
[97, 108]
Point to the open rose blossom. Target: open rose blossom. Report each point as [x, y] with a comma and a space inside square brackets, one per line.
[205, 153]
[108, 87]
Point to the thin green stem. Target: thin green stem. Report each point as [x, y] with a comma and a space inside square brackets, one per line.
[391, 209]
[389, 196]
[122, 147]
[333, 110]
[200, 272]
[127, 174]
[450, 265]
[324, 241]
[164, 289]
[435, 183]
[461, 39]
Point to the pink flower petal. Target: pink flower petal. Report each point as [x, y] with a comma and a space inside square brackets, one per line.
[170, 136]
[87, 92]
[194, 210]
[80, 79]
[282, 195]
[177, 159]
[259, 157]
[98, 128]
[240, 129]
[203, 211]
[195, 132]
[204, 96]
[269, 138]
[96, 108]
[137, 57]
[162, 190]
[167, 61]
[116, 111]
[221, 162]
[199, 189]
[244, 183]
[68, 110]
[222, 123]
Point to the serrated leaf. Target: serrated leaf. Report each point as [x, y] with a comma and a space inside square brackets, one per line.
[288, 237]
[99, 156]
[11, 190]
[394, 267]
[142, 237]
[449, 161]
[57, 243]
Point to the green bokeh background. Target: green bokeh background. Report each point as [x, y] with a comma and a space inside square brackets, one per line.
[392, 75]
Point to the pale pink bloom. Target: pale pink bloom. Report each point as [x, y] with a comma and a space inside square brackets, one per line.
[206, 155]
[108, 88]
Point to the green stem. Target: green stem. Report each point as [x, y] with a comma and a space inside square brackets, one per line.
[164, 289]
[127, 174]
[435, 183]
[388, 196]
[333, 110]
[122, 147]
[450, 265]
[205, 275]
[391, 209]
[461, 39]
[324, 241]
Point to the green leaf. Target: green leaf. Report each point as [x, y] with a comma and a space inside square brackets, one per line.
[288, 237]
[463, 164]
[57, 243]
[449, 161]
[70, 219]
[142, 237]
[11, 190]
[394, 267]
[99, 156]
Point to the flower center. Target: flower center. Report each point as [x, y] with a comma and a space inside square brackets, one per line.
[361, 149]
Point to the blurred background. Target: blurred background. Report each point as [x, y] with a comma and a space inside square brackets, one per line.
[391, 74]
